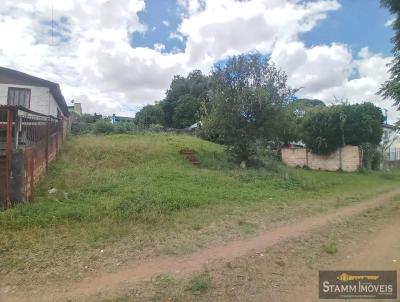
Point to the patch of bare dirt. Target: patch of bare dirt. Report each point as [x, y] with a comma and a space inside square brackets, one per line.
[104, 285]
[380, 252]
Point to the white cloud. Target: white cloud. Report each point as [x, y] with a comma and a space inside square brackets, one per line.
[71, 57]
[159, 47]
[175, 36]
[313, 69]
[330, 72]
[229, 27]
[166, 23]
[191, 6]
[90, 54]
[389, 23]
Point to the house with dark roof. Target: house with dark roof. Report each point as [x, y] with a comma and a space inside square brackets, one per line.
[34, 121]
[32, 93]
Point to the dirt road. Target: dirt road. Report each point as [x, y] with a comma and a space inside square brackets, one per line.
[379, 252]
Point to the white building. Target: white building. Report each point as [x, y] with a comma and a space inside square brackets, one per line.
[33, 93]
[391, 142]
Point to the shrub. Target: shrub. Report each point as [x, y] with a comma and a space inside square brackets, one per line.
[321, 130]
[330, 248]
[81, 128]
[103, 127]
[124, 128]
[371, 157]
[156, 128]
[199, 284]
[327, 129]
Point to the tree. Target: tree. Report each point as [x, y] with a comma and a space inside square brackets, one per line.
[321, 130]
[391, 88]
[295, 114]
[195, 85]
[301, 106]
[327, 129]
[363, 124]
[249, 102]
[182, 104]
[148, 115]
[185, 112]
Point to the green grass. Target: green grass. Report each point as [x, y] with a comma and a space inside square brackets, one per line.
[199, 283]
[136, 192]
[330, 248]
[140, 178]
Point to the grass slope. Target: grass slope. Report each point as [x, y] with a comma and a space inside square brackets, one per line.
[137, 190]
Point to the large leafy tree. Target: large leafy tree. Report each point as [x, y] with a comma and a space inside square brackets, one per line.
[194, 85]
[363, 124]
[182, 104]
[248, 105]
[301, 106]
[327, 129]
[186, 111]
[322, 130]
[150, 114]
[391, 88]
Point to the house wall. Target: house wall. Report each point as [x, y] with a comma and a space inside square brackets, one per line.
[42, 100]
[391, 144]
[347, 158]
[392, 136]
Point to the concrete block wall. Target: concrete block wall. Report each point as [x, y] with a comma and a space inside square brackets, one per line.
[347, 158]
[294, 157]
[351, 158]
[324, 162]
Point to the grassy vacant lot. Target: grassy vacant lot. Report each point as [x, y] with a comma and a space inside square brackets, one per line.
[127, 196]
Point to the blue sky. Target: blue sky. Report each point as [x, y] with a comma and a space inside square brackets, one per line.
[162, 19]
[358, 23]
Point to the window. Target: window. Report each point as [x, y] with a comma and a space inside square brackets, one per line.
[386, 135]
[19, 97]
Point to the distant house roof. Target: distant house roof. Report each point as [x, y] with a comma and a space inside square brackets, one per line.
[119, 119]
[11, 76]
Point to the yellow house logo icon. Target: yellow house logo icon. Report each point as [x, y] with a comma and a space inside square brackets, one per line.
[347, 277]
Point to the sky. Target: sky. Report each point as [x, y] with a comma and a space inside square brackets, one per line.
[116, 56]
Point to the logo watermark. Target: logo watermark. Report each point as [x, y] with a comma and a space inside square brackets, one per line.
[358, 285]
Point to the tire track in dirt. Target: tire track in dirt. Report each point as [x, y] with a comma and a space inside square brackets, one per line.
[113, 283]
[380, 252]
